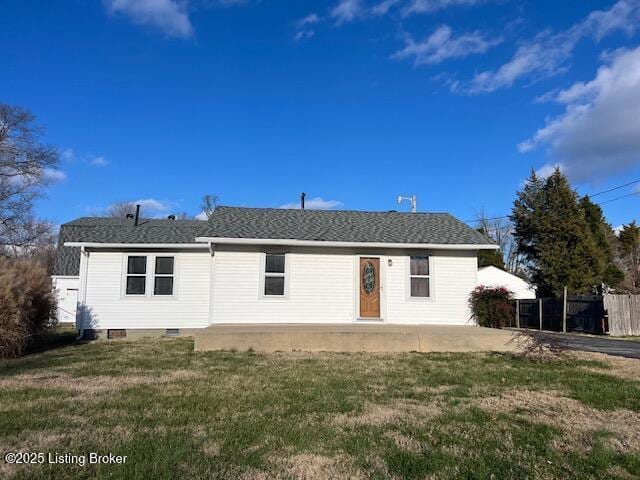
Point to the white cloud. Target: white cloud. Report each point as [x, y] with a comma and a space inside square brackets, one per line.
[347, 11]
[169, 16]
[99, 161]
[599, 132]
[54, 175]
[442, 45]
[304, 26]
[153, 205]
[548, 53]
[430, 6]
[383, 7]
[317, 203]
[67, 154]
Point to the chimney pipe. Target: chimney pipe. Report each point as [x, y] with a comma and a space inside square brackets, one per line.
[137, 215]
[302, 195]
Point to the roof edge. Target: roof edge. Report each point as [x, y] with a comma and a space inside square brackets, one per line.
[335, 244]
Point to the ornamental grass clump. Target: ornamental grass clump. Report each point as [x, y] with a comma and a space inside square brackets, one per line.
[492, 307]
[27, 305]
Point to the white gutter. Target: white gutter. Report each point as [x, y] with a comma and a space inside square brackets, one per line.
[184, 246]
[320, 243]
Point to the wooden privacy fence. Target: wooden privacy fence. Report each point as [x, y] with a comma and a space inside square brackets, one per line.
[573, 313]
[624, 314]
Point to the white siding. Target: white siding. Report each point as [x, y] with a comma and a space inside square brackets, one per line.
[319, 289]
[67, 296]
[452, 278]
[107, 307]
[322, 287]
[495, 277]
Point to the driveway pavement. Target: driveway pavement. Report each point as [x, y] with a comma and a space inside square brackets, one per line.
[585, 343]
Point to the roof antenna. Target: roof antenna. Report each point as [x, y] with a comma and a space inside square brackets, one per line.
[137, 215]
[302, 195]
[414, 202]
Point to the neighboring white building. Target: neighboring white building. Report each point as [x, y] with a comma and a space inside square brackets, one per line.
[496, 277]
[248, 265]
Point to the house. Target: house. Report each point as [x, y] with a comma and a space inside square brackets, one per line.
[496, 277]
[260, 265]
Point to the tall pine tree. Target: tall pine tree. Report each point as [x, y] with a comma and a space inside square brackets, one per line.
[555, 238]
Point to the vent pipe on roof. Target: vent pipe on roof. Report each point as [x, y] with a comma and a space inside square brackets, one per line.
[130, 216]
[137, 215]
[302, 195]
[171, 217]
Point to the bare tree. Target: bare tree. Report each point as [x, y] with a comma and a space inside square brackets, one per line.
[209, 204]
[25, 163]
[121, 209]
[500, 230]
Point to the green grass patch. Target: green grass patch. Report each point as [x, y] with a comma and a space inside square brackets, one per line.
[176, 413]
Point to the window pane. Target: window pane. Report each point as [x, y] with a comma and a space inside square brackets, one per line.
[135, 285]
[275, 263]
[164, 265]
[419, 287]
[274, 285]
[419, 265]
[163, 286]
[137, 265]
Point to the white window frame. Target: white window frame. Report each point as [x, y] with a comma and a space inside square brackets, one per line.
[429, 297]
[264, 274]
[150, 276]
[164, 275]
[144, 275]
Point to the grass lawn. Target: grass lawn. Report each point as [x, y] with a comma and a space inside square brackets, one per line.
[179, 414]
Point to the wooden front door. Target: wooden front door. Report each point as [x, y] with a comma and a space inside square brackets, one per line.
[370, 288]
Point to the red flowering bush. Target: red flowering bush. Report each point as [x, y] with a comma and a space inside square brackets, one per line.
[492, 307]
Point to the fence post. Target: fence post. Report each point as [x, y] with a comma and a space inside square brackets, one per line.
[517, 313]
[564, 311]
[540, 312]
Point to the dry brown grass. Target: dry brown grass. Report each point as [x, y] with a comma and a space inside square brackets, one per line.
[578, 421]
[398, 411]
[625, 368]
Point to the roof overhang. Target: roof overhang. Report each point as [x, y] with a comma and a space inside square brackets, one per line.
[170, 246]
[322, 243]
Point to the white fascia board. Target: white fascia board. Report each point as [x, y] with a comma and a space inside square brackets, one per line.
[320, 243]
[172, 246]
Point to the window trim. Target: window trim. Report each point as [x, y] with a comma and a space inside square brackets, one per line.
[264, 274]
[150, 276]
[144, 275]
[164, 275]
[409, 276]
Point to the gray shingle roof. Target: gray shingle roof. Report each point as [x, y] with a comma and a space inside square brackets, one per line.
[118, 230]
[341, 226]
[236, 222]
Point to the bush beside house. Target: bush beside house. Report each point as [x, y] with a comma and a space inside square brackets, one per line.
[492, 307]
[27, 305]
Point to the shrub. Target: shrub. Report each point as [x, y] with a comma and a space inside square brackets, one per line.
[27, 305]
[492, 307]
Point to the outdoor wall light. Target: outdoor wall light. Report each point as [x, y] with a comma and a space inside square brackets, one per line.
[390, 263]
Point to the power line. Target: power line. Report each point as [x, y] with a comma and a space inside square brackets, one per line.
[614, 189]
[591, 196]
[618, 198]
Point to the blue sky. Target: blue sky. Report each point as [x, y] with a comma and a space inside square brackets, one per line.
[351, 101]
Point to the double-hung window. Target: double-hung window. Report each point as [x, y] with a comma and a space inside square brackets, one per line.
[419, 277]
[136, 275]
[155, 270]
[163, 276]
[274, 274]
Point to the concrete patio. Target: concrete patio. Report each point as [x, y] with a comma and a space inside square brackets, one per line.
[352, 338]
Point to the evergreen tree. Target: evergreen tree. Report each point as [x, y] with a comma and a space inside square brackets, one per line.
[553, 236]
[629, 241]
[488, 258]
[605, 240]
